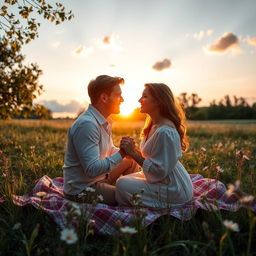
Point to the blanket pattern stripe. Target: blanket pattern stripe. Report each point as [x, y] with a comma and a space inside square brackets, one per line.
[209, 194]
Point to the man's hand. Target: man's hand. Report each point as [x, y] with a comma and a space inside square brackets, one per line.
[128, 145]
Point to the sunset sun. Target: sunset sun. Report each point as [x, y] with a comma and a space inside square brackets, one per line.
[126, 109]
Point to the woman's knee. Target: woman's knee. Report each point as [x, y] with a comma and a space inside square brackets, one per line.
[122, 183]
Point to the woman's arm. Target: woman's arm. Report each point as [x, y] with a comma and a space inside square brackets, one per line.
[128, 145]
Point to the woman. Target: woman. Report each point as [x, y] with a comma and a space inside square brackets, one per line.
[164, 181]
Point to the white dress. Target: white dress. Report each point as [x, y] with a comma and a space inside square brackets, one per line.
[164, 180]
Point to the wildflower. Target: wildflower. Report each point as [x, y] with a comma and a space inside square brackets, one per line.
[91, 222]
[128, 230]
[246, 157]
[219, 170]
[231, 225]
[137, 196]
[219, 145]
[70, 182]
[65, 213]
[246, 199]
[90, 189]
[69, 236]
[205, 168]
[82, 194]
[16, 226]
[233, 188]
[202, 149]
[100, 197]
[41, 194]
[77, 211]
[75, 206]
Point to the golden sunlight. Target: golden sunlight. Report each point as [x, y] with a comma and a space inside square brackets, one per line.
[126, 109]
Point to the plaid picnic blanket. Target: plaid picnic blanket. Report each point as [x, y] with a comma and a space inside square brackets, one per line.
[209, 194]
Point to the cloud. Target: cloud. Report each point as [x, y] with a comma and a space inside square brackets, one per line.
[55, 44]
[160, 65]
[106, 40]
[72, 107]
[201, 34]
[224, 43]
[83, 51]
[110, 42]
[209, 32]
[251, 41]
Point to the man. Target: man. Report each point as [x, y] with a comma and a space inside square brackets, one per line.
[91, 159]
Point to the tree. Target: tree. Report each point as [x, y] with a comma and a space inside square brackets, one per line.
[18, 19]
[189, 103]
[36, 112]
[18, 26]
[18, 82]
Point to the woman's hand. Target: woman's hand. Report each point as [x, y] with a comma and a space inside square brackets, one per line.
[128, 145]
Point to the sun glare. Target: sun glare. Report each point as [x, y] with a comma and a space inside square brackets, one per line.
[126, 109]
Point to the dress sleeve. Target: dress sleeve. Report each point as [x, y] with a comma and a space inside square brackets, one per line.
[86, 143]
[166, 151]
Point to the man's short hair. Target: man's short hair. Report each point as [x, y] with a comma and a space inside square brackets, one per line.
[102, 84]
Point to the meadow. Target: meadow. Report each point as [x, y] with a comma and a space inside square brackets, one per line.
[31, 149]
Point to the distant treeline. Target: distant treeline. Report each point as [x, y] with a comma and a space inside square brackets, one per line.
[226, 108]
[37, 111]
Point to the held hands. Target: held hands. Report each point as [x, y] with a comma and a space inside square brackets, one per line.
[128, 145]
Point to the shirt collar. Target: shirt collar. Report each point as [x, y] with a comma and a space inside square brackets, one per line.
[98, 116]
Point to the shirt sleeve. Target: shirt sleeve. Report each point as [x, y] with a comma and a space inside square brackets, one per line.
[113, 149]
[86, 142]
[165, 154]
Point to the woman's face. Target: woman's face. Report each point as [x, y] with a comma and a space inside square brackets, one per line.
[148, 103]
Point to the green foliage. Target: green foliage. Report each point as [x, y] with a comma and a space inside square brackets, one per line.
[18, 82]
[37, 112]
[30, 149]
[238, 108]
[18, 19]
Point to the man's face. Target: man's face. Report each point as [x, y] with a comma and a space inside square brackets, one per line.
[114, 100]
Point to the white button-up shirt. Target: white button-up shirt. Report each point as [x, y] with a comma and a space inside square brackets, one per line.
[90, 152]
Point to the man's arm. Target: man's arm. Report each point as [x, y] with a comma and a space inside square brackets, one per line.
[86, 140]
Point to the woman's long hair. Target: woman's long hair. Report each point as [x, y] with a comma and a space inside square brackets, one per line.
[169, 108]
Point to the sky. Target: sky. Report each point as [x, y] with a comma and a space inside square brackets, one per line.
[194, 46]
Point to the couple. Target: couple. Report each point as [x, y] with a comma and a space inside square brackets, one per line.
[91, 159]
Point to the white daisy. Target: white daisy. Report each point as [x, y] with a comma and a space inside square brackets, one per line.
[81, 195]
[233, 188]
[246, 199]
[219, 170]
[90, 189]
[69, 236]
[100, 197]
[128, 230]
[229, 224]
[91, 222]
[16, 226]
[246, 157]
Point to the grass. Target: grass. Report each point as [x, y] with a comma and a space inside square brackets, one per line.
[31, 149]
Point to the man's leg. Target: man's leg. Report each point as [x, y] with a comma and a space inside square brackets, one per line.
[125, 167]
